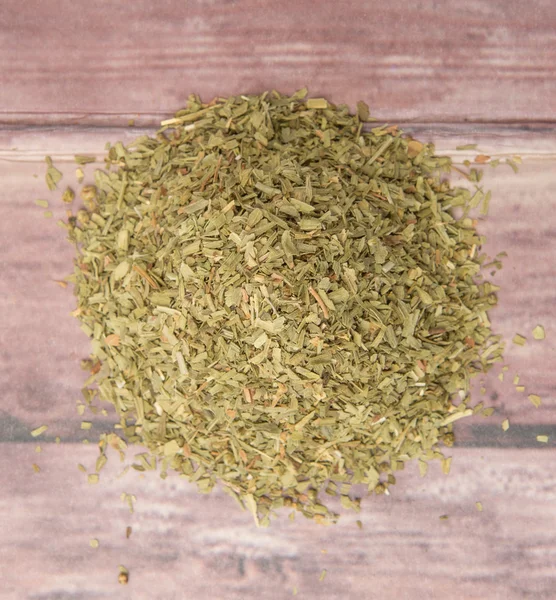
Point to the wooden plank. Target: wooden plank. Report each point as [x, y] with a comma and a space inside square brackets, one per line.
[185, 545]
[104, 62]
[41, 344]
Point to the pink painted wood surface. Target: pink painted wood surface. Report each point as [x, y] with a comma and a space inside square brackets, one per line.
[187, 546]
[81, 62]
[455, 72]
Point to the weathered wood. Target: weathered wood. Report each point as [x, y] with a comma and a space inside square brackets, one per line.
[104, 62]
[185, 545]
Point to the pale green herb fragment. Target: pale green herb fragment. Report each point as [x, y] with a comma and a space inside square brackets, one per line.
[83, 159]
[535, 400]
[519, 340]
[317, 103]
[538, 332]
[39, 430]
[53, 176]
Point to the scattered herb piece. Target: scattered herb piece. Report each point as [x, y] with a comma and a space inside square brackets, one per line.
[83, 159]
[535, 400]
[53, 176]
[519, 340]
[39, 430]
[538, 332]
[123, 576]
[68, 196]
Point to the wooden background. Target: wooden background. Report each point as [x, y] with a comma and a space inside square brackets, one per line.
[72, 73]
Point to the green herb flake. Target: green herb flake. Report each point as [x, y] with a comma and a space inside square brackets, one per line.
[83, 159]
[538, 332]
[319, 103]
[519, 340]
[535, 400]
[323, 575]
[39, 430]
[68, 196]
[479, 506]
[53, 176]
[42, 203]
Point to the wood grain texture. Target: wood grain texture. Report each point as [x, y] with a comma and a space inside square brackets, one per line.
[41, 344]
[187, 546]
[73, 61]
[455, 72]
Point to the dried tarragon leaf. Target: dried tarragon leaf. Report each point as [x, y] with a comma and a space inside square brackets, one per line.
[519, 340]
[538, 332]
[281, 301]
[53, 175]
[39, 430]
